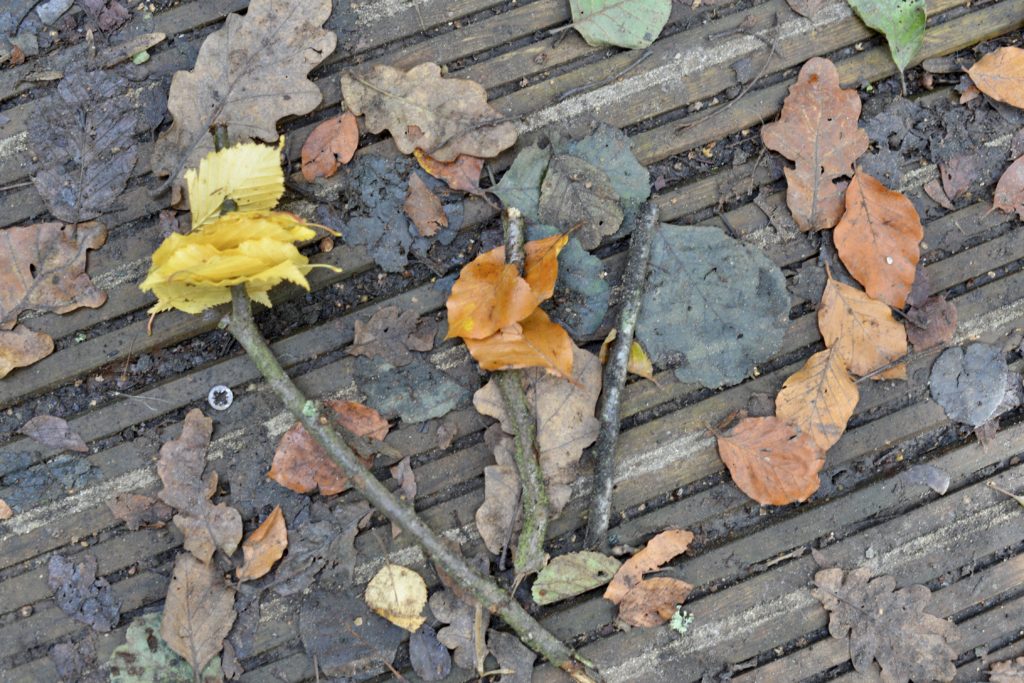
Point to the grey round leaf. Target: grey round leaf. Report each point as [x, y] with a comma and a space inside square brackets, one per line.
[969, 383]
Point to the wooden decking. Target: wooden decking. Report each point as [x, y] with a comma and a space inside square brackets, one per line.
[754, 615]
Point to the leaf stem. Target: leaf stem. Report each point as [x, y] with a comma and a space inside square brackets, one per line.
[634, 280]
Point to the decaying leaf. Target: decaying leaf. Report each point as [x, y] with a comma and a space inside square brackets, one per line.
[198, 612]
[818, 131]
[331, 144]
[392, 334]
[520, 186]
[819, 398]
[423, 208]
[247, 76]
[622, 23]
[534, 342]
[1000, 75]
[462, 174]
[146, 658]
[806, 8]
[264, 547]
[582, 293]
[325, 543]
[714, 307]
[638, 362]
[887, 625]
[901, 22]
[22, 347]
[414, 393]
[302, 465]
[610, 150]
[428, 657]
[770, 461]
[399, 595]
[206, 526]
[243, 177]
[514, 659]
[1010, 671]
[573, 574]
[1009, 194]
[136, 511]
[406, 478]
[878, 239]
[653, 601]
[80, 594]
[969, 383]
[53, 432]
[933, 324]
[444, 117]
[574, 191]
[465, 631]
[498, 517]
[862, 330]
[657, 552]
[347, 639]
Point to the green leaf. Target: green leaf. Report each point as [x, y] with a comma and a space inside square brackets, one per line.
[573, 574]
[146, 658]
[624, 23]
[520, 186]
[902, 22]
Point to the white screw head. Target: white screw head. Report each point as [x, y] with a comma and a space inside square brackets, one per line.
[220, 397]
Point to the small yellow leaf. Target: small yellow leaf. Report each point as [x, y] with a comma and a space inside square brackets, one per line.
[399, 595]
[639, 363]
[248, 174]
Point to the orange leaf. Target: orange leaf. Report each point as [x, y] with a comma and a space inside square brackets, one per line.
[1009, 195]
[424, 208]
[770, 461]
[330, 145]
[818, 131]
[535, 342]
[819, 398]
[862, 330]
[264, 547]
[300, 464]
[878, 239]
[657, 552]
[541, 269]
[1000, 75]
[5, 510]
[652, 602]
[461, 174]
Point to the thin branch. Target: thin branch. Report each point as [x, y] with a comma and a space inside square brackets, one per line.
[529, 630]
[634, 279]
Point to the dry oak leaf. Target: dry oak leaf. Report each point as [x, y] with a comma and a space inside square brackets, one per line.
[1000, 75]
[819, 398]
[21, 347]
[424, 208]
[461, 174]
[137, 510]
[657, 552]
[490, 294]
[206, 526]
[652, 602]
[1009, 194]
[331, 144]
[818, 131]
[247, 76]
[771, 461]
[865, 334]
[264, 547]
[53, 432]
[535, 342]
[399, 595]
[1010, 671]
[302, 465]
[887, 625]
[444, 117]
[198, 612]
[878, 239]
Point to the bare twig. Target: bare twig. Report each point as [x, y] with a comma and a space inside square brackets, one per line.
[633, 280]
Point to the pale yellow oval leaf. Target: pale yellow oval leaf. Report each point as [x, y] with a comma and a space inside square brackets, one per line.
[399, 595]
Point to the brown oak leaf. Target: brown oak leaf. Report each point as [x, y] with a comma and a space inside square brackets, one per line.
[818, 131]
[862, 330]
[819, 398]
[21, 347]
[1010, 671]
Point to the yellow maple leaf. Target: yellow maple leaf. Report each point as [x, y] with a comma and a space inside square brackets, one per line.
[247, 176]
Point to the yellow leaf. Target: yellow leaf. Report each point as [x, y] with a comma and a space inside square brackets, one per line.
[639, 363]
[256, 248]
[399, 595]
[248, 174]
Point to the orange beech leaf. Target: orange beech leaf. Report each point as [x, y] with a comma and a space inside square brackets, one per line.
[1009, 195]
[819, 398]
[771, 461]
[300, 464]
[652, 602]
[330, 145]
[264, 547]
[818, 131]
[461, 174]
[862, 330]
[535, 342]
[490, 295]
[1000, 75]
[878, 239]
[424, 208]
[657, 552]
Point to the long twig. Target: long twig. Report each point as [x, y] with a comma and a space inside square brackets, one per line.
[634, 279]
[529, 556]
[529, 630]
